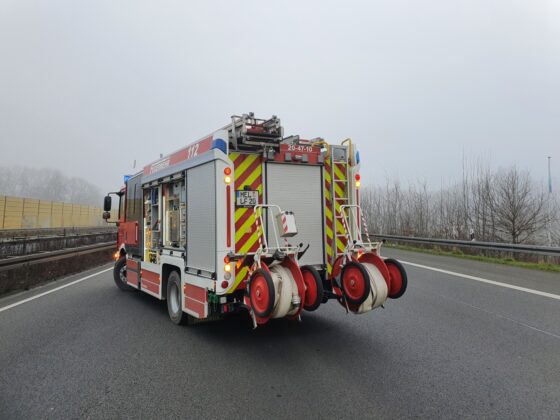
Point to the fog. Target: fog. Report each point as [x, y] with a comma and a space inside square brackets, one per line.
[90, 87]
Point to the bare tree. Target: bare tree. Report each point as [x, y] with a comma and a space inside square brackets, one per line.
[554, 222]
[497, 206]
[47, 184]
[519, 208]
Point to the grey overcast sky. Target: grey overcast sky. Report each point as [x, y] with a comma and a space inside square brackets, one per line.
[90, 86]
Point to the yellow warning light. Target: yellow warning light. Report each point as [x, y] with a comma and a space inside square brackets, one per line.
[227, 179]
[227, 267]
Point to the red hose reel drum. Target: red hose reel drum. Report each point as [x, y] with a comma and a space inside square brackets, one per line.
[365, 282]
[313, 288]
[399, 280]
[277, 291]
[261, 294]
[355, 282]
[336, 272]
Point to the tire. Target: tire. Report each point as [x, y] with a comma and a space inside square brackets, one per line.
[396, 269]
[262, 293]
[174, 297]
[355, 283]
[119, 275]
[313, 283]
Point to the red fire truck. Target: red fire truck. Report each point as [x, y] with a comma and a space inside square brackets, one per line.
[249, 219]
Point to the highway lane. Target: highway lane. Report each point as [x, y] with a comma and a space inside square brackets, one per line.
[451, 347]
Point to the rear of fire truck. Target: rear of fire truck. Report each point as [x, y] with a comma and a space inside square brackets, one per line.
[269, 224]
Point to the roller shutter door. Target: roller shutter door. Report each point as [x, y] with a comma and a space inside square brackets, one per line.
[201, 217]
[298, 188]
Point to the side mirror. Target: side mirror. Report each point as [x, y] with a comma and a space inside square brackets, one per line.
[107, 203]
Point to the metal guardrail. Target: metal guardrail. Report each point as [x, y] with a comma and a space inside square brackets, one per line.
[34, 245]
[53, 255]
[25, 271]
[493, 246]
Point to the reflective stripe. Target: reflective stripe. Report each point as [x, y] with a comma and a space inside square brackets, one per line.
[248, 173]
[328, 215]
[340, 192]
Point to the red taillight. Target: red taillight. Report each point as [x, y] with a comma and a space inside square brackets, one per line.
[227, 171]
[225, 284]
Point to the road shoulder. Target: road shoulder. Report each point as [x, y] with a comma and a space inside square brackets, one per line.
[12, 298]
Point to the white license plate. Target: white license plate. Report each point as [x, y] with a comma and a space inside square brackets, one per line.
[246, 198]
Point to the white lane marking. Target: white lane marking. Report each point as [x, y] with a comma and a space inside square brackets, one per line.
[495, 283]
[56, 289]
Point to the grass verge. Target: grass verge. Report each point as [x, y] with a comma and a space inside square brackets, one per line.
[555, 268]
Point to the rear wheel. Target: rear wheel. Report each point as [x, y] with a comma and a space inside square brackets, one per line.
[119, 274]
[174, 298]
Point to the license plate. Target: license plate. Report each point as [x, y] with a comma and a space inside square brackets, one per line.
[247, 198]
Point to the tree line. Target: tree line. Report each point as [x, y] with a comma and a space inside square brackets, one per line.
[48, 184]
[497, 206]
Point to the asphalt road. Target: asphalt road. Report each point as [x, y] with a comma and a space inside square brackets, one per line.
[450, 348]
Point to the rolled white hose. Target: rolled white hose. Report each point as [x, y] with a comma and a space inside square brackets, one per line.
[285, 286]
[379, 290]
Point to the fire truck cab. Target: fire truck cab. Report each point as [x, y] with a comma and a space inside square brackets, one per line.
[247, 219]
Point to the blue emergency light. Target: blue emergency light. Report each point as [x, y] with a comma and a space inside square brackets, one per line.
[220, 145]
